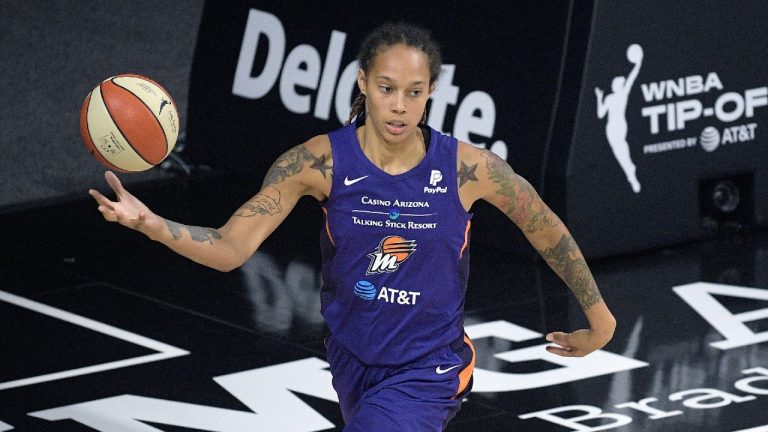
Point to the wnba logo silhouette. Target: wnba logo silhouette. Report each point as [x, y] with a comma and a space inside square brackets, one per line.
[614, 106]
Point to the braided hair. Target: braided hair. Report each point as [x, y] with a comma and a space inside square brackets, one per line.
[391, 34]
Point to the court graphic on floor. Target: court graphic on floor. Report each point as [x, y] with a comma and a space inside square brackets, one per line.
[127, 336]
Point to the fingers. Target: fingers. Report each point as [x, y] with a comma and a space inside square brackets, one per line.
[116, 186]
[101, 199]
[563, 345]
[114, 183]
[108, 213]
[562, 352]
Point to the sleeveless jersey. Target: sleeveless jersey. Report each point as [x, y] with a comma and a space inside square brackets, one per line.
[395, 253]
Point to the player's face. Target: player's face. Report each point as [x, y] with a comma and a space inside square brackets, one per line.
[396, 89]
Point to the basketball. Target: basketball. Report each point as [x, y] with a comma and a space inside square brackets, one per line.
[129, 123]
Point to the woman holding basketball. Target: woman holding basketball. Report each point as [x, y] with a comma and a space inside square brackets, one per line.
[396, 196]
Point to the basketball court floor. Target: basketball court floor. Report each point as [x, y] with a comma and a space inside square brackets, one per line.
[104, 330]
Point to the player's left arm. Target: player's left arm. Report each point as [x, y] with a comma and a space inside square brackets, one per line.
[496, 182]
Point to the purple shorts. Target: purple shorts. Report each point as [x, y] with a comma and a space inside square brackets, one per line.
[422, 395]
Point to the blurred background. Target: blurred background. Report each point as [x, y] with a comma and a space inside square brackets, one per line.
[54, 54]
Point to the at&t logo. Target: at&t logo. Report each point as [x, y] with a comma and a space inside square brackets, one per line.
[366, 291]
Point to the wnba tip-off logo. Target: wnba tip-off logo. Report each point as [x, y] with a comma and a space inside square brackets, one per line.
[670, 108]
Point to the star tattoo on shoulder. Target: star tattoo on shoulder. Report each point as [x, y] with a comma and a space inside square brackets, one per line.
[467, 173]
[319, 164]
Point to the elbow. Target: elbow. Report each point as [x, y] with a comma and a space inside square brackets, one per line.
[611, 326]
[607, 327]
[229, 265]
[225, 268]
[232, 257]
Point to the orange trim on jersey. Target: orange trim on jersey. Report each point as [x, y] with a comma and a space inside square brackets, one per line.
[466, 373]
[466, 239]
[327, 227]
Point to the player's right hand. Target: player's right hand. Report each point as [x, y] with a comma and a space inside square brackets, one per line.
[128, 210]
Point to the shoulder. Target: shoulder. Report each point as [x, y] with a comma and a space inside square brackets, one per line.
[468, 152]
[317, 148]
[319, 144]
[314, 150]
[481, 160]
[306, 167]
[472, 172]
[488, 168]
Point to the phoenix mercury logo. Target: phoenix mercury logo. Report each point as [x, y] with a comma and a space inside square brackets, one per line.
[614, 106]
[390, 253]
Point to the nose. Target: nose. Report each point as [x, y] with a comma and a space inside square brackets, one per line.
[398, 104]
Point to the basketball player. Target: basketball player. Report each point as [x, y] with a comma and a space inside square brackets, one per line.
[395, 243]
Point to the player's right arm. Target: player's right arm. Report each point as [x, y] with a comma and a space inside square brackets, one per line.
[302, 170]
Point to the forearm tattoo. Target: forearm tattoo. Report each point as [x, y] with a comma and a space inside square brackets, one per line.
[568, 262]
[292, 162]
[198, 234]
[266, 202]
[466, 173]
[519, 200]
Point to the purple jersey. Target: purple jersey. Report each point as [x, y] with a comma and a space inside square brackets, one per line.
[395, 253]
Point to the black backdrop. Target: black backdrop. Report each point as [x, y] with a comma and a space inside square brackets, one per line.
[704, 61]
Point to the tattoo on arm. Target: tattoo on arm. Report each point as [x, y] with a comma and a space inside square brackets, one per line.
[466, 173]
[319, 164]
[174, 228]
[198, 234]
[266, 202]
[519, 200]
[292, 162]
[566, 260]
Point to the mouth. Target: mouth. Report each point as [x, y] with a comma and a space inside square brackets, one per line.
[396, 127]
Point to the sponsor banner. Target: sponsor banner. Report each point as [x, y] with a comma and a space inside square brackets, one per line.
[663, 113]
[268, 75]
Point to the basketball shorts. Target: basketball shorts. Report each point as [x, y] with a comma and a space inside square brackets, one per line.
[421, 396]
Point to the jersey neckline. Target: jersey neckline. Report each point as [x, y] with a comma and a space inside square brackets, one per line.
[380, 172]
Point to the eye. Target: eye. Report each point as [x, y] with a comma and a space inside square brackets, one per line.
[385, 88]
[416, 93]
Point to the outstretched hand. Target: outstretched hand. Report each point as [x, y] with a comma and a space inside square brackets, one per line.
[576, 344]
[128, 210]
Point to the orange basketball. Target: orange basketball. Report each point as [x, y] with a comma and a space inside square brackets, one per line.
[397, 246]
[129, 123]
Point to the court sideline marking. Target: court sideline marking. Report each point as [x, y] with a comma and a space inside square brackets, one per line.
[164, 351]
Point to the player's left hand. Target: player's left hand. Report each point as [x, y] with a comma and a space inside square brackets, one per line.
[576, 344]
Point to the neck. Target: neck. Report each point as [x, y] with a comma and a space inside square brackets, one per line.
[393, 158]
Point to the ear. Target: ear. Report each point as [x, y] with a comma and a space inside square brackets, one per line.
[361, 80]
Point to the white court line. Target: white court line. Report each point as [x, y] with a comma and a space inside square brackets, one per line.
[165, 351]
[763, 428]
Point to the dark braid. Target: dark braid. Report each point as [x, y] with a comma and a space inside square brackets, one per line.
[390, 34]
[358, 106]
